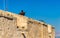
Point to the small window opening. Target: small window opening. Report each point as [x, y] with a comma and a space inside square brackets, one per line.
[17, 27]
[23, 27]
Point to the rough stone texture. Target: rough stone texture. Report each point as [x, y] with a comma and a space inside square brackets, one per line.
[18, 26]
[51, 31]
[8, 29]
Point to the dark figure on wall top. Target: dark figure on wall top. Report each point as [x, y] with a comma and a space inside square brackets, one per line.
[22, 13]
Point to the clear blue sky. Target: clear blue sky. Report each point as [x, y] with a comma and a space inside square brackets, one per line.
[47, 10]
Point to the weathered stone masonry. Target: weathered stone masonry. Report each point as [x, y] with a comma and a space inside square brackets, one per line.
[18, 26]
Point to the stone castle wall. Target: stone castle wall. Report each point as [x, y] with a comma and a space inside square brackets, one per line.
[18, 26]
